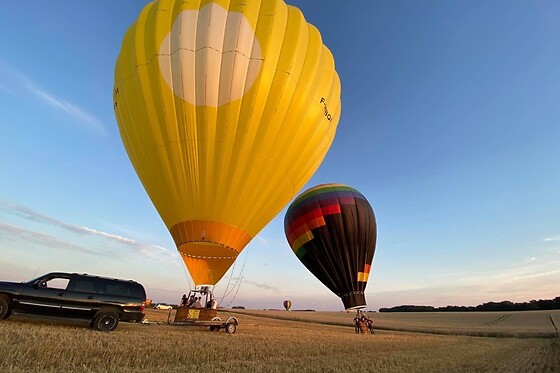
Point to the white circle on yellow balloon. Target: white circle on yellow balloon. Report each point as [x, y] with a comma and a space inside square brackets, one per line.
[210, 57]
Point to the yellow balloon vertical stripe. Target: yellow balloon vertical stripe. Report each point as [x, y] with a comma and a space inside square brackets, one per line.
[226, 109]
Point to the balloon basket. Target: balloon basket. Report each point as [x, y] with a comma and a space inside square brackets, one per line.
[191, 314]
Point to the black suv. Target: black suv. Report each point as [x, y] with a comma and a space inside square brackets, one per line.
[101, 301]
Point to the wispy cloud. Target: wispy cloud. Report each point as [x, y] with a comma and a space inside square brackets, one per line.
[531, 277]
[535, 275]
[261, 239]
[529, 268]
[22, 234]
[518, 289]
[4, 88]
[555, 237]
[261, 285]
[147, 250]
[82, 117]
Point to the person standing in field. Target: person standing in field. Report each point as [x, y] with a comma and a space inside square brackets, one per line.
[370, 325]
[357, 323]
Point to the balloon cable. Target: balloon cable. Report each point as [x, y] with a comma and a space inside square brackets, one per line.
[187, 274]
[238, 281]
[229, 280]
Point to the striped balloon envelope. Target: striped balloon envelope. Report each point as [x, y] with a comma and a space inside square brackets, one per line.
[287, 304]
[332, 230]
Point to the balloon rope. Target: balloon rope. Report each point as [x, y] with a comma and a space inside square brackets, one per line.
[235, 295]
[239, 280]
[232, 288]
[229, 280]
[187, 274]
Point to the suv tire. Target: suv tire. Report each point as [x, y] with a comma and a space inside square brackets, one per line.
[4, 308]
[105, 321]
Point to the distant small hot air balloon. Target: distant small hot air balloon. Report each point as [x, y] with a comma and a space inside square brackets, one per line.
[226, 108]
[287, 304]
[332, 230]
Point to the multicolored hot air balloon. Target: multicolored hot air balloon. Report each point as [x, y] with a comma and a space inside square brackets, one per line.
[226, 108]
[332, 230]
[287, 304]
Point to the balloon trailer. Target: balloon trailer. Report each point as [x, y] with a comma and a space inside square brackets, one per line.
[191, 314]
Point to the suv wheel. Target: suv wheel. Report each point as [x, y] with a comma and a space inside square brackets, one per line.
[4, 308]
[105, 321]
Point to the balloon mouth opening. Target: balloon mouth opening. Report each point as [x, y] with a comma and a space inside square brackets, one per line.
[206, 262]
[205, 288]
[354, 301]
[207, 250]
[209, 238]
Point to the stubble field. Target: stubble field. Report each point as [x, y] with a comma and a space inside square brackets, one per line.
[482, 324]
[262, 343]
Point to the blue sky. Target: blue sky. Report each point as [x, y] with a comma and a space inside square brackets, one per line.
[450, 127]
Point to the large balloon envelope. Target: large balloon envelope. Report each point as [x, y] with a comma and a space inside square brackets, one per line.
[226, 108]
[332, 230]
[287, 304]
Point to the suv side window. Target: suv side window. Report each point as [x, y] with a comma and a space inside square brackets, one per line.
[56, 283]
[83, 285]
[137, 290]
[122, 288]
[113, 288]
[117, 288]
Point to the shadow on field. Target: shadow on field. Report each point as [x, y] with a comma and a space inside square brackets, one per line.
[48, 321]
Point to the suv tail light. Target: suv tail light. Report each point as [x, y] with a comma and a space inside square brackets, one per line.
[143, 306]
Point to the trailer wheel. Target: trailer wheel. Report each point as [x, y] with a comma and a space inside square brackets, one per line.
[231, 328]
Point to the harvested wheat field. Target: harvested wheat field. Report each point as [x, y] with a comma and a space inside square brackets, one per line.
[484, 324]
[260, 344]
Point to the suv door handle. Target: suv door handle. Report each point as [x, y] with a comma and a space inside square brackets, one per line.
[60, 294]
[90, 297]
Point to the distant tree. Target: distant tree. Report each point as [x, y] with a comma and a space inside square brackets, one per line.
[506, 305]
[408, 308]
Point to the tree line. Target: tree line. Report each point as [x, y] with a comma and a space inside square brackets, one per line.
[541, 304]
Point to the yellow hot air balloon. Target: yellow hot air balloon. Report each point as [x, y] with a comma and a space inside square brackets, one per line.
[226, 109]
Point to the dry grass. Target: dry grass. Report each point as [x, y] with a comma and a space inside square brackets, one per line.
[489, 324]
[260, 344]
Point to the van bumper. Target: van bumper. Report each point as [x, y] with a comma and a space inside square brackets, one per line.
[131, 315]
